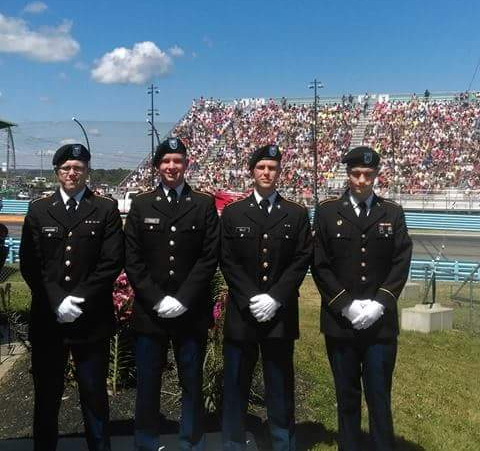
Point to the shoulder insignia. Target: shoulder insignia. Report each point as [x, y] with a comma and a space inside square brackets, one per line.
[145, 192]
[205, 193]
[295, 203]
[388, 201]
[331, 199]
[235, 202]
[104, 197]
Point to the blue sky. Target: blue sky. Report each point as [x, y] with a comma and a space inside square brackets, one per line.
[224, 49]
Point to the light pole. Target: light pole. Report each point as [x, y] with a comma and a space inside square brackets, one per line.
[315, 85]
[84, 133]
[152, 112]
[88, 144]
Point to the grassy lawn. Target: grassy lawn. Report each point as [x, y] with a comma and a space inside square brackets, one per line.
[436, 394]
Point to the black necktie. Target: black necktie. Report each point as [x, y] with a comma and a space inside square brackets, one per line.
[172, 194]
[265, 203]
[363, 210]
[72, 207]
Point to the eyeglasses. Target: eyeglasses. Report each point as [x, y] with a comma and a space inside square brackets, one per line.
[75, 169]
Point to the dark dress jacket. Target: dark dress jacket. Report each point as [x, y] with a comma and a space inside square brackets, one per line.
[264, 255]
[172, 252]
[80, 256]
[360, 259]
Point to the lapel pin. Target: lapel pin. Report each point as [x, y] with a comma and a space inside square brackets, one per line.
[158, 198]
[251, 205]
[339, 222]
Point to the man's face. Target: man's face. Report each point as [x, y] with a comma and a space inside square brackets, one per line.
[360, 181]
[72, 175]
[172, 169]
[265, 174]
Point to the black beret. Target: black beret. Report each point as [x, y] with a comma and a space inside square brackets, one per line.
[170, 145]
[270, 152]
[362, 156]
[71, 152]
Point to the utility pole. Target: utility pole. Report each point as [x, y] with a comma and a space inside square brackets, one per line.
[315, 85]
[152, 112]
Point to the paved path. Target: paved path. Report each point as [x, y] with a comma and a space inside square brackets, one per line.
[170, 442]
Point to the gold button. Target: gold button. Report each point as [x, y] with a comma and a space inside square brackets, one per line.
[171, 258]
[264, 250]
[338, 235]
[171, 242]
[264, 278]
[151, 227]
[70, 233]
[193, 227]
[68, 263]
[363, 278]
[173, 229]
[265, 236]
[171, 272]
[68, 248]
[363, 264]
[363, 235]
[363, 250]
[287, 237]
[242, 235]
[49, 235]
[67, 279]
[265, 264]
[93, 232]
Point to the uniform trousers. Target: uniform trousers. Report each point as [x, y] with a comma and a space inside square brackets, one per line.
[151, 358]
[370, 362]
[49, 359]
[239, 361]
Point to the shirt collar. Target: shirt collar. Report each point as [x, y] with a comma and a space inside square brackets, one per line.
[178, 189]
[272, 198]
[77, 197]
[354, 201]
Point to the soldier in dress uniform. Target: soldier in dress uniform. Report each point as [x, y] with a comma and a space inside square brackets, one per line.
[172, 240]
[71, 252]
[266, 250]
[362, 255]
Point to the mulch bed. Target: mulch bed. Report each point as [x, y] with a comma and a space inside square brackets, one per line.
[16, 410]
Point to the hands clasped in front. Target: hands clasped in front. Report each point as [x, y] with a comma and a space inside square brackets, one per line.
[169, 307]
[362, 313]
[263, 307]
[68, 310]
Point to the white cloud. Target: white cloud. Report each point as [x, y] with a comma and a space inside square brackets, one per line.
[62, 76]
[48, 44]
[44, 99]
[67, 141]
[35, 8]
[94, 132]
[137, 65]
[176, 51]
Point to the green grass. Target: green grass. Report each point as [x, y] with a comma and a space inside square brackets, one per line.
[436, 392]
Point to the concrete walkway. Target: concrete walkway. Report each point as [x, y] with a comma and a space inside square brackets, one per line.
[8, 356]
[170, 442]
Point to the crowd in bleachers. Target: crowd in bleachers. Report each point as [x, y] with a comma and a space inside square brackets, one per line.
[427, 145]
[221, 136]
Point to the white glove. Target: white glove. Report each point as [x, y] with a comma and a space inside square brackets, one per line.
[169, 307]
[371, 312]
[263, 307]
[352, 310]
[68, 311]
